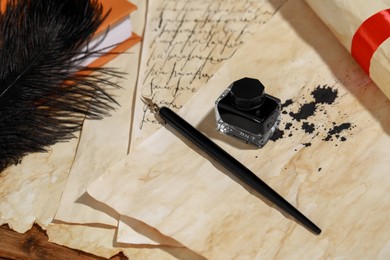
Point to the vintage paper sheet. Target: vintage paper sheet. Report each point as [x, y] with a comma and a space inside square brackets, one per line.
[344, 18]
[101, 143]
[185, 44]
[73, 211]
[31, 191]
[329, 159]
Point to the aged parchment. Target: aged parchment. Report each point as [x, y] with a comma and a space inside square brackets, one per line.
[31, 191]
[185, 44]
[101, 143]
[330, 159]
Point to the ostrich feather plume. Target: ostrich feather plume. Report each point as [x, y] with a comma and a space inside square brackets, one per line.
[45, 94]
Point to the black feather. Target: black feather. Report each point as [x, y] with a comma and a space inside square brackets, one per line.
[42, 98]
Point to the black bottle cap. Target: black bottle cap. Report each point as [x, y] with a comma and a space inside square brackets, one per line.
[247, 94]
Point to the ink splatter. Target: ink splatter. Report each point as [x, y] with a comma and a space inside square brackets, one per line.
[321, 95]
[335, 132]
[287, 103]
[308, 128]
[304, 119]
[306, 111]
[325, 95]
[278, 134]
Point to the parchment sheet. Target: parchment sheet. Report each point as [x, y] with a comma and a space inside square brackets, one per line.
[31, 191]
[330, 159]
[185, 44]
[101, 143]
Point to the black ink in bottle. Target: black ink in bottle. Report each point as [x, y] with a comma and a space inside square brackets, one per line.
[245, 111]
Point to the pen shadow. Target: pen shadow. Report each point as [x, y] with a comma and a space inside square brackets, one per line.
[165, 243]
[315, 33]
[205, 127]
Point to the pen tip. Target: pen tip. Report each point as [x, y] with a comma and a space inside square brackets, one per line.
[151, 105]
[317, 230]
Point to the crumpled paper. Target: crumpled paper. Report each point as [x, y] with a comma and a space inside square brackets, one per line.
[330, 159]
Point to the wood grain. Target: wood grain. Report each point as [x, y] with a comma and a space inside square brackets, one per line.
[34, 245]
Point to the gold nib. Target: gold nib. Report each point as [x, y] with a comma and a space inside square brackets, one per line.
[151, 105]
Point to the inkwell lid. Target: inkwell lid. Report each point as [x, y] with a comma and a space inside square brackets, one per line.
[247, 94]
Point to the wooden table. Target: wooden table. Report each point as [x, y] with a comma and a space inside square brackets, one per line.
[34, 245]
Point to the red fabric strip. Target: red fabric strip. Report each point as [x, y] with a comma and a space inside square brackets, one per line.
[370, 35]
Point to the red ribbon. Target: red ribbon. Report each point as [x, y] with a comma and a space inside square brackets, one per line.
[370, 35]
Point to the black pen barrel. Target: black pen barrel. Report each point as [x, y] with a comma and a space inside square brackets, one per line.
[233, 165]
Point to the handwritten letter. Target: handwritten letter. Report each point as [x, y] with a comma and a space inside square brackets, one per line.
[185, 43]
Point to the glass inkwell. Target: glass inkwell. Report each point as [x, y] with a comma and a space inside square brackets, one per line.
[245, 111]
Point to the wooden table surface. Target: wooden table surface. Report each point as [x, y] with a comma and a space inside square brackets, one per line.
[34, 245]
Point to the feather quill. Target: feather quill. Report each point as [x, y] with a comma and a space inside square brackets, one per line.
[42, 99]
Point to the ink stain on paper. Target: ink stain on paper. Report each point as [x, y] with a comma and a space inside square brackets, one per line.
[278, 134]
[305, 118]
[336, 131]
[308, 127]
[305, 111]
[325, 95]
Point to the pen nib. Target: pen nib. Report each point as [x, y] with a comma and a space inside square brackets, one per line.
[151, 105]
